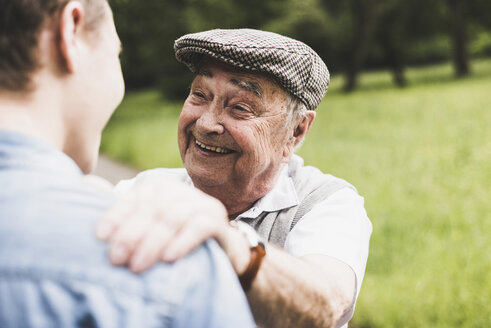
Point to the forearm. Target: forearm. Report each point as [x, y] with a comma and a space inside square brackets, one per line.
[312, 291]
[293, 292]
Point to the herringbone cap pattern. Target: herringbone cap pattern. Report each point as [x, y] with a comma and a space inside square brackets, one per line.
[293, 64]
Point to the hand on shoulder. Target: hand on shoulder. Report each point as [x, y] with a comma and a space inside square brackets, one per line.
[160, 219]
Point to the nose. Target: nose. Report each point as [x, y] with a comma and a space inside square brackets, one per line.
[210, 120]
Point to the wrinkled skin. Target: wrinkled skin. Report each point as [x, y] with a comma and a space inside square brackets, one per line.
[247, 130]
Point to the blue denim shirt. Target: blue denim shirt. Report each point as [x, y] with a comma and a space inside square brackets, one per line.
[54, 273]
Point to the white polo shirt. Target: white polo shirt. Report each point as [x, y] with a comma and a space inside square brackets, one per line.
[337, 226]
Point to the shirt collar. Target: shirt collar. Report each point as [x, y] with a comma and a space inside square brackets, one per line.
[22, 151]
[282, 196]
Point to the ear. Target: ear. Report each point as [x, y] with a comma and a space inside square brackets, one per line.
[303, 127]
[71, 21]
[299, 131]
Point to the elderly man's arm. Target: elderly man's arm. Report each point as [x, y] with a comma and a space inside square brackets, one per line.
[288, 291]
[311, 291]
[308, 291]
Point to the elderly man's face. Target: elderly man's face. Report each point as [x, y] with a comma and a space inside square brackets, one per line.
[232, 128]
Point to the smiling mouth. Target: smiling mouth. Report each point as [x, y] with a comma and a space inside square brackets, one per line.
[218, 150]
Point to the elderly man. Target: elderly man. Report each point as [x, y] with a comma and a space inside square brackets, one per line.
[251, 104]
[60, 80]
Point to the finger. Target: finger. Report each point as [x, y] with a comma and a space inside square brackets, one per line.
[193, 234]
[111, 220]
[149, 250]
[126, 239]
[125, 206]
[104, 229]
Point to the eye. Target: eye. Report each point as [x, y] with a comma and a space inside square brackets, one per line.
[240, 108]
[197, 97]
[198, 94]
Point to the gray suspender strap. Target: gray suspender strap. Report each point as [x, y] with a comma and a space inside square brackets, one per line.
[275, 226]
[317, 195]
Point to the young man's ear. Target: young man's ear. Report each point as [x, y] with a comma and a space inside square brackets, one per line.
[72, 19]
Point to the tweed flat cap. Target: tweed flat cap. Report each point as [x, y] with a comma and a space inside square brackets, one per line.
[292, 63]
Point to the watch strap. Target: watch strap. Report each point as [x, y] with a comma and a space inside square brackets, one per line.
[257, 254]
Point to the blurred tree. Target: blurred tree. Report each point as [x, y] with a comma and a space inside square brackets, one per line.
[349, 35]
[303, 20]
[401, 24]
[147, 30]
[363, 13]
[326, 31]
[383, 33]
[462, 16]
[459, 35]
[209, 14]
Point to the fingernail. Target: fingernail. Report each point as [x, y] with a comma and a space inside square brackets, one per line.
[118, 254]
[138, 264]
[169, 255]
[104, 229]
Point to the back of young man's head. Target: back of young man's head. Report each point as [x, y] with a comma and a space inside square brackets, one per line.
[21, 22]
[60, 75]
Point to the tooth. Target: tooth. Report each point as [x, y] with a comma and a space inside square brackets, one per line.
[212, 148]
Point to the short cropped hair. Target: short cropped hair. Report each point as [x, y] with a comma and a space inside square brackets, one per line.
[295, 110]
[21, 22]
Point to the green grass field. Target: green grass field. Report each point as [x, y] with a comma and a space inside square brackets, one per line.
[421, 158]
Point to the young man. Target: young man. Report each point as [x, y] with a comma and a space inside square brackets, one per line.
[60, 80]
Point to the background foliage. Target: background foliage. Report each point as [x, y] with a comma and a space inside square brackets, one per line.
[350, 35]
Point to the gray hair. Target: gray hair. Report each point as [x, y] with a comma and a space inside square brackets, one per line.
[296, 111]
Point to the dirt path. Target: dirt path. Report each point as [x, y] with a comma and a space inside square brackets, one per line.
[113, 171]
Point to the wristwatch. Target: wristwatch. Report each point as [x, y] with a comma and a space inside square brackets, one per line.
[258, 251]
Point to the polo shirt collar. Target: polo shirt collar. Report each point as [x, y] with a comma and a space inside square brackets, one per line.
[282, 196]
[18, 151]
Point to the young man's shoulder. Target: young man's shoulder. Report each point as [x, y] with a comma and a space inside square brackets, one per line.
[49, 254]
